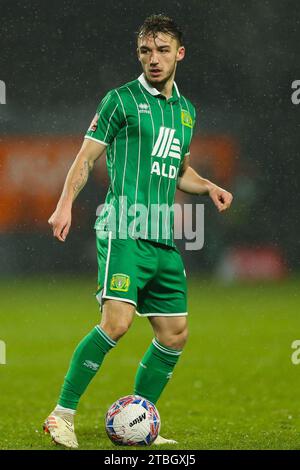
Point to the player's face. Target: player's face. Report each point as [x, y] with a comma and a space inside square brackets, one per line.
[159, 57]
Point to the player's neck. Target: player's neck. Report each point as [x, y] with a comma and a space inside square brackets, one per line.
[166, 88]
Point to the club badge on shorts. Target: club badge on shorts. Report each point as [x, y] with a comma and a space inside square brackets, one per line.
[120, 282]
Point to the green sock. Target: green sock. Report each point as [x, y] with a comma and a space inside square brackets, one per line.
[85, 363]
[155, 370]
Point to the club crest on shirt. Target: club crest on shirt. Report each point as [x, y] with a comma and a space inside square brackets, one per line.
[186, 118]
[120, 282]
[94, 123]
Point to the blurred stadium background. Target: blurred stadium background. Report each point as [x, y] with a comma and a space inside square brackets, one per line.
[57, 60]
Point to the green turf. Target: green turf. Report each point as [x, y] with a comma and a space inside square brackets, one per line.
[235, 386]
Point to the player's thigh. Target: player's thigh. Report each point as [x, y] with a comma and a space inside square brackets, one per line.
[116, 269]
[166, 293]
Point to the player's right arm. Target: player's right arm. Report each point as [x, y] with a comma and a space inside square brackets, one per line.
[107, 121]
[76, 179]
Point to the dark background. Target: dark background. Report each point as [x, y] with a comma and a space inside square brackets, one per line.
[58, 59]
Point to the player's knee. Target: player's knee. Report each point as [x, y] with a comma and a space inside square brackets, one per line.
[117, 318]
[185, 336]
[181, 339]
[176, 340]
[115, 330]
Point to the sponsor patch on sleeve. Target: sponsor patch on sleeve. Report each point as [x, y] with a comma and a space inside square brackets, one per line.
[94, 123]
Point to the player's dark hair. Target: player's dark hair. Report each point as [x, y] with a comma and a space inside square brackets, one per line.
[155, 24]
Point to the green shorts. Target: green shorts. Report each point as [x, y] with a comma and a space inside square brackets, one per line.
[149, 275]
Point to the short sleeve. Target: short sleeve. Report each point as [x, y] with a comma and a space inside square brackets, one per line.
[107, 120]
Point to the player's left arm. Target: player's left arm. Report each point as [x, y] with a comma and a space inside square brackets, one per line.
[189, 181]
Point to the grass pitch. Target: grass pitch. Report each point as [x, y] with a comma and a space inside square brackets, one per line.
[235, 386]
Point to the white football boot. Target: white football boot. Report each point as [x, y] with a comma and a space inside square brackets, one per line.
[159, 441]
[60, 426]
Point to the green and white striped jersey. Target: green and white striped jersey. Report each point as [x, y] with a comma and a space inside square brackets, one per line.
[147, 137]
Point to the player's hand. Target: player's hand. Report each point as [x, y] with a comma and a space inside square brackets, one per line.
[60, 222]
[221, 198]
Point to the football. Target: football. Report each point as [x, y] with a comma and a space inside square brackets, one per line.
[132, 421]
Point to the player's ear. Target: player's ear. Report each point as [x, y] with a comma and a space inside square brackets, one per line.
[180, 53]
[138, 53]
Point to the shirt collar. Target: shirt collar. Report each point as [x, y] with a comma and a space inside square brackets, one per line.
[153, 91]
